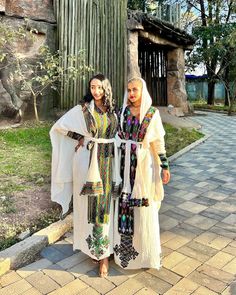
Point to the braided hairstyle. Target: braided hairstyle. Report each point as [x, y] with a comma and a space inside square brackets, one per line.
[107, 99]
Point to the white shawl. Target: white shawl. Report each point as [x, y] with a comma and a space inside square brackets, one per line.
[63, 151]
[148, 183]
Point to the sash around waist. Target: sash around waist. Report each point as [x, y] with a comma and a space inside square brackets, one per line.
[93, 175]
[100, 140]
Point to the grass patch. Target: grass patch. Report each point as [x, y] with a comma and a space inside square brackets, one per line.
[8, 242]
[45, 219]
[177, 139]
[11, 232]
[25, 156]
[7, 205]
[202, 104]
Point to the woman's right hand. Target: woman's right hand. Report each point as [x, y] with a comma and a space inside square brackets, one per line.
[80, 143]
[165, 176]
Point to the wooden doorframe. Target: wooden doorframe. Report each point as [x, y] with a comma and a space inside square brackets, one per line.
[153, 68]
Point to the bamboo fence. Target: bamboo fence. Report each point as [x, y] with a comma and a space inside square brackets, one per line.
[97, 27]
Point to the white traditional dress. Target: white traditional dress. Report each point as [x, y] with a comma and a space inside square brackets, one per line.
[88, 174]
[136, 222]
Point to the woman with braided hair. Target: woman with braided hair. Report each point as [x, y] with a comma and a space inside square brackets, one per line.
[144, 170]
[85, 165]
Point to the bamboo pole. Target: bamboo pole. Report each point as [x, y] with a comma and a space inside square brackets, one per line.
[99, 28]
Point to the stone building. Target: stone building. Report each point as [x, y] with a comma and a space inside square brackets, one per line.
[156, 53]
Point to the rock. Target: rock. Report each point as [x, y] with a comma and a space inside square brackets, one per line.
[24, 235]
[175, 111]
[40, 180]
[25, 251]
[37, 10]
[2, 5]
[6, 105]
[15, 102]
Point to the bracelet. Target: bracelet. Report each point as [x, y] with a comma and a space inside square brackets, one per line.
[164, 161]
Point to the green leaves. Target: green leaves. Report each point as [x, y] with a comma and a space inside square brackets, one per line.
[214, 43]
[44, 72]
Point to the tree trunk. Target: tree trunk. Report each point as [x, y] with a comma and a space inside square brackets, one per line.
[144, 6]
[230, 109]
[226, 78]
[35, 108]
[226, 97]
[210, 97]
[203, 13]
[230, 99]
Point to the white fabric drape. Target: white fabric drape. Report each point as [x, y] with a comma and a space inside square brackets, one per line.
[63, 152]
[147, 180]
[148, 184]
[72, 170]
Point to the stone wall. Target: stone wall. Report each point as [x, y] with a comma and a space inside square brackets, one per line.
[13, 100]
[176, 90]
[132, 59]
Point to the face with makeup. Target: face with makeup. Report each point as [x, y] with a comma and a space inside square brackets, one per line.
[96, 89]
[135, 92]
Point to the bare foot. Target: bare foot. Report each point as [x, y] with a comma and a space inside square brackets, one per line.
[103, 269]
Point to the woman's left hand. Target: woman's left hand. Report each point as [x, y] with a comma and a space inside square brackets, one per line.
[80, 143]
[165, 176]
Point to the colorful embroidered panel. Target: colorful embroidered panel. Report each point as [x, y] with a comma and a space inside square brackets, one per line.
[98, 243]
[132, 130]
[89, 120]
[126, 214]
[106, 127]
[125, 250]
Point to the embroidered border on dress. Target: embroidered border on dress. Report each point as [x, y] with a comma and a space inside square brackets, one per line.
[92, 188]
[97, 243]
[89, 120]
[126, 212]
[125, 250]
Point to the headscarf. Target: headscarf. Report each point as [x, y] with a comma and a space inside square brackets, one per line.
[146, 100]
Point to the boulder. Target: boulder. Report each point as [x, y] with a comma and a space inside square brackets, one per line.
[7, 107]
[2, 5]
[12, 97]
[37, 10]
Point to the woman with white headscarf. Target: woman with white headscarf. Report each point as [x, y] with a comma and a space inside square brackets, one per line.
[144, 169]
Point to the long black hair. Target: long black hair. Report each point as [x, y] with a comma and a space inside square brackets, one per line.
[107, 99]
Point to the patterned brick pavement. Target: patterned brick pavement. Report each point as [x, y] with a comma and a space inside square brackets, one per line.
[198, 234]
